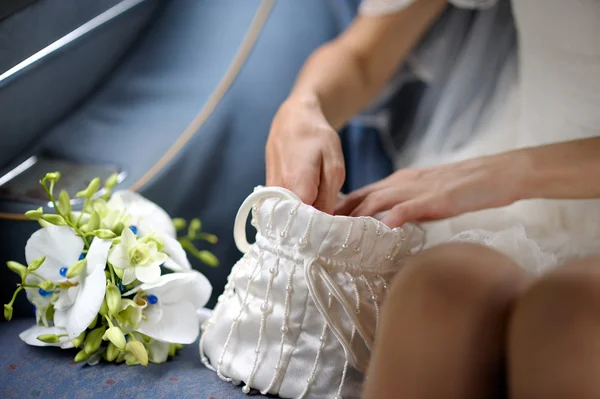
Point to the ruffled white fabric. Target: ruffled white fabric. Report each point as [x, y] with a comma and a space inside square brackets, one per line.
[300, 310]
[554, 97]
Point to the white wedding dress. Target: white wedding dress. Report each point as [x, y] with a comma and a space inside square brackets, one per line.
[554, 97]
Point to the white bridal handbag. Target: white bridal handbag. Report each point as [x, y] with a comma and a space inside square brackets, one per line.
[299, 312]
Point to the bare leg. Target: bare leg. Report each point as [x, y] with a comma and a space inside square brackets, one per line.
[442, 333]
[554, 345]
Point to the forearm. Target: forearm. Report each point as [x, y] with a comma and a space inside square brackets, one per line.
[568, 170]
[343, 76]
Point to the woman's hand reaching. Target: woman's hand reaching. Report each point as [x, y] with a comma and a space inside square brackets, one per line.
[412, 195]
[304, 154]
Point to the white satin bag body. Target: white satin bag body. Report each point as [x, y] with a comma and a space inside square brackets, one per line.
[299, 312]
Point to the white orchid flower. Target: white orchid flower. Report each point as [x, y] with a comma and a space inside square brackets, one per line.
[30, 335]
[170, 306]
[139, 259]
[145, 215]
[61, 247]
[78, 305]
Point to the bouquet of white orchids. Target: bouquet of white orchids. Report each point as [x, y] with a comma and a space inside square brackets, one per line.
[112, 279]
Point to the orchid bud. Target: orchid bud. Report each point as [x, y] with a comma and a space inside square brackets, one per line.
[76, 268]
[195, 226]
[112, 181]
[64, 203]
[179, 224]
[52, 177]
[79, 340]
[103, 308]
[8, 312]
[112, 352]
[137, 349]
[36, 263]
[115, 335]
[113, 298]
[104, 234]
[93, 340]
[82, 356]
[49, 338]
[47, 285]
[56, 220]
[34, 214]
[94, 222]
[91, 189]
[208, 258]
[17, 268]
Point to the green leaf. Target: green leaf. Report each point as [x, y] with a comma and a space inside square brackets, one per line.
[64, 203]
[17, 268]
[56, 220]
[34, 214]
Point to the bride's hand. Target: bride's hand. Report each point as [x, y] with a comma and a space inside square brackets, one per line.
[440, 192]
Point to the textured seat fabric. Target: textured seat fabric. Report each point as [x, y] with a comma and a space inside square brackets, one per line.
[34, 372]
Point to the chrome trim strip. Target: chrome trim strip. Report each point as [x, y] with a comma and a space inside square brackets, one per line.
[28, 163]
[70, 37]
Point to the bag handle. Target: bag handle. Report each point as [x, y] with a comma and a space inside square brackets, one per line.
[259, 194]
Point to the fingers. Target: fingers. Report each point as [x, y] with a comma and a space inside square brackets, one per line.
[346, 205]
[333, 174]
[410, 211]
[379, 201]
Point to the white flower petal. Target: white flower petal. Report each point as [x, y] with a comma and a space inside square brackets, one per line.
[119, 256]
[172, 288]
[158, 352]
[204, 314]
[179, 324]
[178, 260]
[92, 288]
[61, 247]
[128, 276]
[148, 274]
[30, 335]
[147, 216]
[97, 255]
[128, 238]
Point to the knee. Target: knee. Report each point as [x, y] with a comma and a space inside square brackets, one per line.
[564, 297]
[460, 275]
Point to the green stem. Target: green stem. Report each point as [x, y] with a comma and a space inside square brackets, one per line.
[112, 273]
[14, 297]
[85, 205]
[28, 286]
[34, 274]
[110, 324]
[65, 217]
